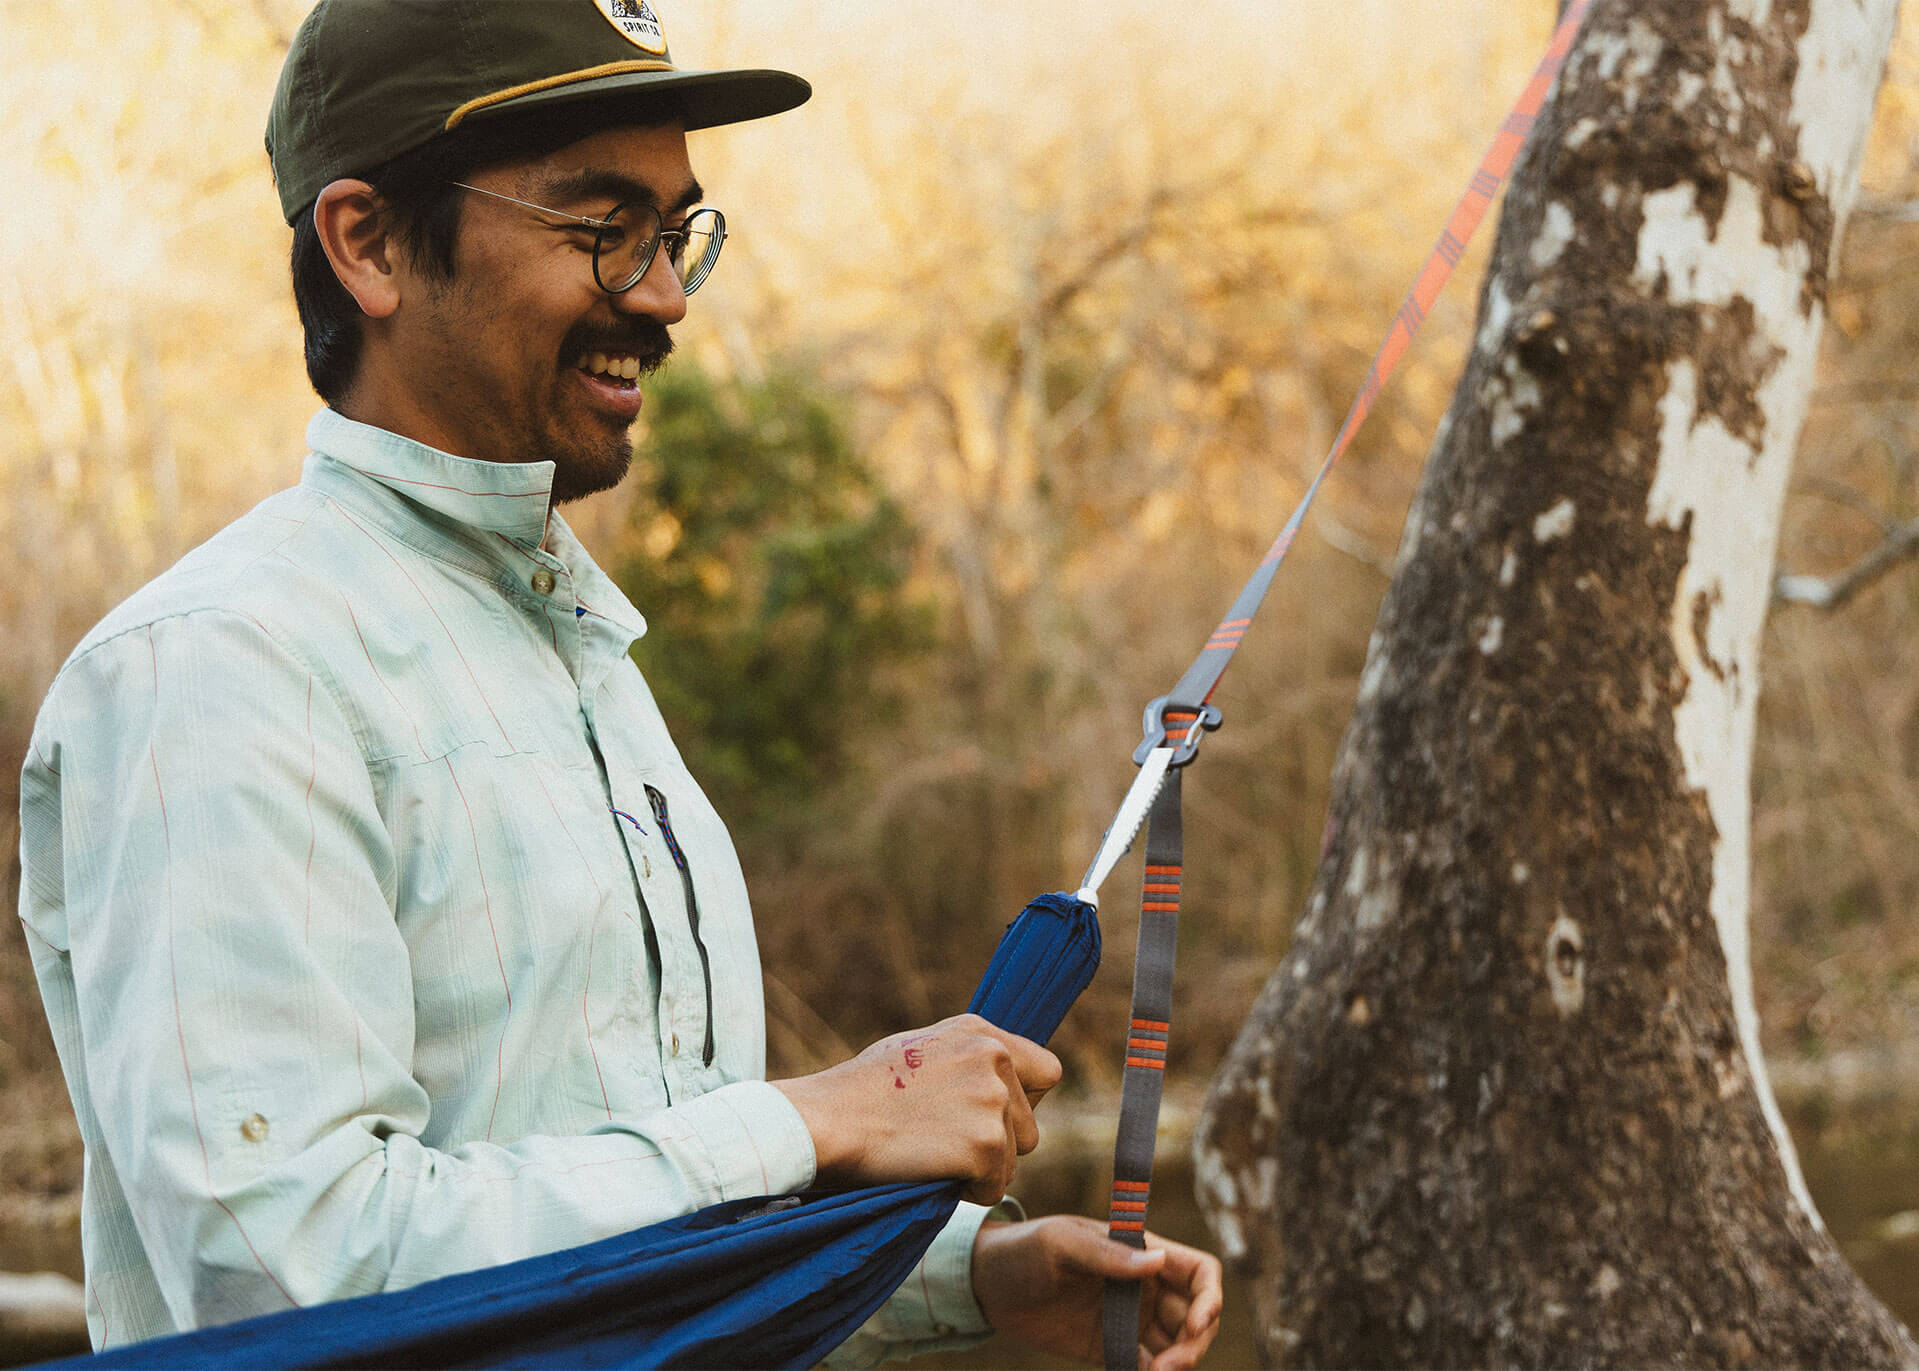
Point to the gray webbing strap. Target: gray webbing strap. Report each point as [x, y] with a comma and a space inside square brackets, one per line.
[1145, 1066]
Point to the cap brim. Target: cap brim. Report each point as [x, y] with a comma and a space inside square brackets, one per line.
[705, 99]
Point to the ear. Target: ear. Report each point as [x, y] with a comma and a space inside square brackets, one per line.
[353, 229]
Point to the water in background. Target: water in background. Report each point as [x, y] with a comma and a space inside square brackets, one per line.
[1862, 1163]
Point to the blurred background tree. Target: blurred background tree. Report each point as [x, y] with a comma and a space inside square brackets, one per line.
[771, 568]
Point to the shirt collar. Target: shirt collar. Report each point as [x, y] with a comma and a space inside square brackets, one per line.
[508, 498]
[476, 504]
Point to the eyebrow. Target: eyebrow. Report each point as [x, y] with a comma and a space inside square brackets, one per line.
[599, 183]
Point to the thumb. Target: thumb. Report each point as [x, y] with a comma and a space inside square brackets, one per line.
[1115, 1260]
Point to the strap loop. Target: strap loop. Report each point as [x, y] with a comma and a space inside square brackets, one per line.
[1146, 1037]
[1166, 721]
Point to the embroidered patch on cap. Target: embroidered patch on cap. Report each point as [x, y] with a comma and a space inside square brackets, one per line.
[637, 22]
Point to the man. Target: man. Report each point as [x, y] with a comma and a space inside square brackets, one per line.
[383, 933]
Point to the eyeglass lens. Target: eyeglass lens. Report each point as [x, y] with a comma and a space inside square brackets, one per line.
[625, 247]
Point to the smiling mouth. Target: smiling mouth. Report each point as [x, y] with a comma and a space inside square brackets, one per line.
[617, 368]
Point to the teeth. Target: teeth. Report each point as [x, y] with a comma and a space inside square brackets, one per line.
[615, 367]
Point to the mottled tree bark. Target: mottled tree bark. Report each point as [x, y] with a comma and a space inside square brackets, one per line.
[1503, 1102]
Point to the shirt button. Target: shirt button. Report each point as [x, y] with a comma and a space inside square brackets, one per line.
[676, 1044]
[542, 581]
[254, 1128]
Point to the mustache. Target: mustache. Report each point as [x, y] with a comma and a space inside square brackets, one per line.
[645, 339]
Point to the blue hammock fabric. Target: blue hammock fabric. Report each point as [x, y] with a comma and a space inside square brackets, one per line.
[771, 1282]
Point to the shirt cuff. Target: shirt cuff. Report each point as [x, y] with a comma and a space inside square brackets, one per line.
[934, 1311]
[749, 1140]
[946, 1307]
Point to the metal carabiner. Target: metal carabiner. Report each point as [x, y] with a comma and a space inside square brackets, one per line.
[1197, 723]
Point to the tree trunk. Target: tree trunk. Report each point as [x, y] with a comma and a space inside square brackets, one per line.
[1503, 1102]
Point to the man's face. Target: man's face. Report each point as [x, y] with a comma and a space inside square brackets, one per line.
[497, 362]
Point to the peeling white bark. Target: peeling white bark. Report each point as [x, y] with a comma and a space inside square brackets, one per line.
[1555, 236]
[1840, 60]
[1519, 397]
[1734, 496]
[1629, 59]
[1732, 489]
[1714, 264]
[1496, 314]
[1556, 522]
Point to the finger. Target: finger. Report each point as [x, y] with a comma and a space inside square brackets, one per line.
[1187, 1268]
[1021, 1127]
[987, 1190]
[1191, 1292]
[1038, 1070]
[1154, 1338]
[1207, 1294]
[1185, 1353]
[1087, 1248]
[1163, 1310]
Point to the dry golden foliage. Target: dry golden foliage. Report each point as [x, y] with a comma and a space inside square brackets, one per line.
[1099, 281]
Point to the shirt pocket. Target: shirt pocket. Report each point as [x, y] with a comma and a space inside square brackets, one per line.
[416, 695]
[524, 932]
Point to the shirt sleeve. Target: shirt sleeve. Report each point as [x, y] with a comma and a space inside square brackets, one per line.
[224, 897]
[934, 1310]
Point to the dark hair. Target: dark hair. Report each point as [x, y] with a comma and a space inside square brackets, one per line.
[425, 207]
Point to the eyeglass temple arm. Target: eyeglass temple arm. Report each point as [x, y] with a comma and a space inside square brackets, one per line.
[556, 213]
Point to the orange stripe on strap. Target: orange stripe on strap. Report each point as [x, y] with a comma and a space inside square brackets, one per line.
[1157, 908]
[1153, 1024]
[1127, 1226]
[1133, 1187]
[1147, 1062]
[1446, 254]
[1164, 870]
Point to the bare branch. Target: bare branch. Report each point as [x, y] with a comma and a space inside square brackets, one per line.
[1343, 539]
[1849, 497]
[1884, 207]
[1830, 593]
[1866, 392]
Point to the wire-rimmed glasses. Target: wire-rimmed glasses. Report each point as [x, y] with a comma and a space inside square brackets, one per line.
[629, 237]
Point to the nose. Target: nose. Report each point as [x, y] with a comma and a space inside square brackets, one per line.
[657, 295]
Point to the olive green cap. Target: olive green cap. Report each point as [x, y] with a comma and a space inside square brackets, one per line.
[366, 80]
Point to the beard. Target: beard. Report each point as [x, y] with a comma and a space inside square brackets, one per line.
[583, 471]
[577, 475]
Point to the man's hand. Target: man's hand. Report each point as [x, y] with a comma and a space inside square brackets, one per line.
[1043, 1282]
[950, 1102]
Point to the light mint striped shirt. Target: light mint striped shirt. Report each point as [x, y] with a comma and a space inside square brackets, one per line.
[382, 931]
